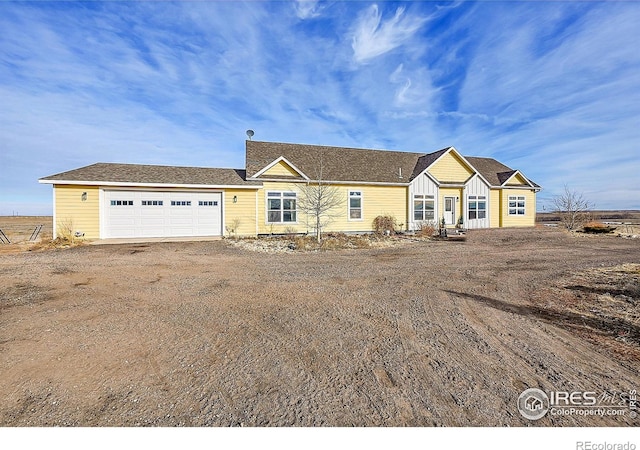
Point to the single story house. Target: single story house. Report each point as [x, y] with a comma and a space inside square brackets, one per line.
[107, 200]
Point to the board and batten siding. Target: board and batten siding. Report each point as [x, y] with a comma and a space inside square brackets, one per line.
[475, 186]
[451, 169]
[422, 185]
[75, 212]
[376, 201]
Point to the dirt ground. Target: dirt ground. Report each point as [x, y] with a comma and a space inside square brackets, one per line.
[428, 334]
[19, 230]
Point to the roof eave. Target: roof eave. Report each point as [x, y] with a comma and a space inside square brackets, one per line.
[149, 185]
[517, 172]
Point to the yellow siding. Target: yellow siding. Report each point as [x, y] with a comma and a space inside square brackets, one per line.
[376, 200]
[281, 169]
[528, 220]
[518, 180]
[450, 168]
[450, 192]
[494, 208]
[239, 216]
[74, 214]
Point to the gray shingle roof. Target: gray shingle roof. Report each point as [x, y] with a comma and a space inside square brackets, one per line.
[426, 160]
[493, 171]
[337, 163]
[489, 168]
[139, 173]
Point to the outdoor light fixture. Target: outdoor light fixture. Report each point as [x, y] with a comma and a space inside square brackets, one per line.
[84, 196]
[235, 199]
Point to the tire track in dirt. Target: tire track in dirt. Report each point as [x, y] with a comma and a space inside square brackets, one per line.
[553, 363]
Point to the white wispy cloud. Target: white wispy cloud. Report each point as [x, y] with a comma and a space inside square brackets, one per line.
[307, 9]
[549, 88]
[372, 36]
[562, 101]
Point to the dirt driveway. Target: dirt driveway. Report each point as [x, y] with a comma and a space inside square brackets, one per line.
[434, 333]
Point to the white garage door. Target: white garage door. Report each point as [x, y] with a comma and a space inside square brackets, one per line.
[161, 214]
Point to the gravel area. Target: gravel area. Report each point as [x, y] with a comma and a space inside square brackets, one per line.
[427, 333]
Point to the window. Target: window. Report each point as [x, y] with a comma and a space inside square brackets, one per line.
[281, 207]
[180, 202]
[477, 207]
[516, 205]
[151, 202]
[355, 205]
[121, 202]
[207, 203]
[423, 207]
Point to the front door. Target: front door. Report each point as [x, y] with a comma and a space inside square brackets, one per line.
[450, 210]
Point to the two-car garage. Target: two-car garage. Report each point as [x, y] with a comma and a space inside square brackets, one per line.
[141, 213]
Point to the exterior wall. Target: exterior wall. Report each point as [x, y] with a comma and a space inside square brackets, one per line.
[422, 185]
[518, 180]
[376, 200]
[72, 214]
[529, 219]
[450, 168]
[281, 169]
[495, 215]
[240, 217]
[450, 192]
[476, 186]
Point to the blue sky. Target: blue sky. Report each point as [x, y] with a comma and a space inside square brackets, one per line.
[550, 88]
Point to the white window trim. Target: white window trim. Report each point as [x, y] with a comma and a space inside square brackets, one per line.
[423, 200]
[477, 199]
[517, 198]
[361, 196]
[266, 208]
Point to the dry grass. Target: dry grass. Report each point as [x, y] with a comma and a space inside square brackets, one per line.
[207, 334]
[427, 229]
[20, 228]
[606, 304]
[384, 225]
[307, 243]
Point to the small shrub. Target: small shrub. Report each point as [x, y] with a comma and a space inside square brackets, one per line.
[426, 228]
[290, 232]
[384, 225]
[232, 228]
[65, 231]
[597, 227]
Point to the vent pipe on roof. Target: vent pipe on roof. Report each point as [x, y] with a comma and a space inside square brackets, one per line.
[400, 172]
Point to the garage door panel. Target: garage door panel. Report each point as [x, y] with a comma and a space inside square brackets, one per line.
[181, 221]
[124, 222]
[161, 219]
[152, 222]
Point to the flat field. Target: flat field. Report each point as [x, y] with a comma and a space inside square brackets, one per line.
[19, 229]
[422, 334]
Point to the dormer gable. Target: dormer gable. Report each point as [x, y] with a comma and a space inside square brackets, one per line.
[280, 168]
